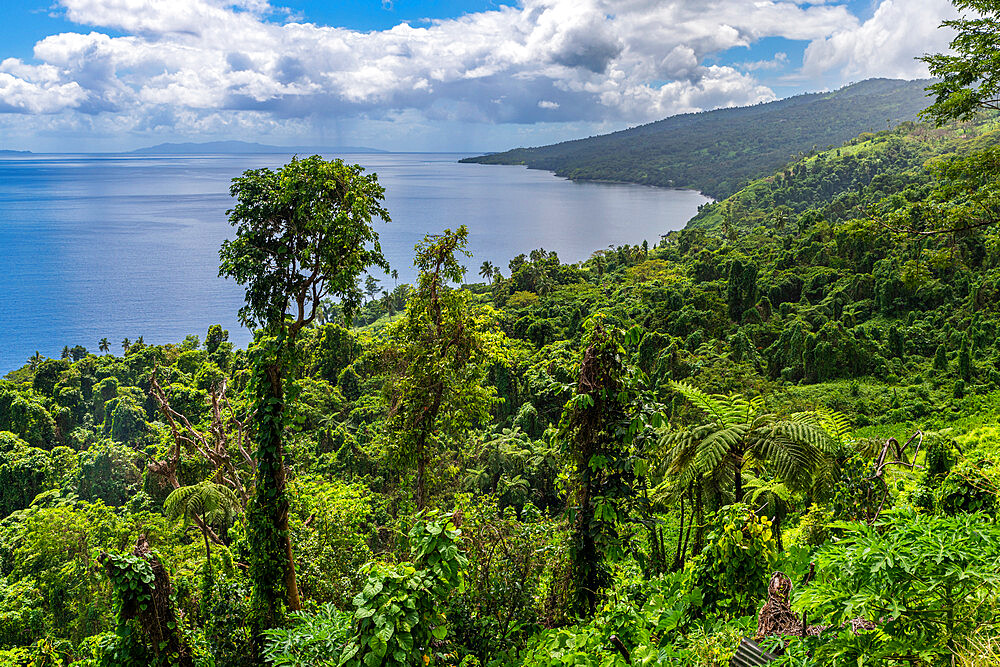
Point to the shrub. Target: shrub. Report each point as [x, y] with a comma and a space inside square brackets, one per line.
[399, 609]
[930, 582]
[733, 568]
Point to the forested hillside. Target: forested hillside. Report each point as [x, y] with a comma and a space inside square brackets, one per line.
[781, 424]
[718, 151]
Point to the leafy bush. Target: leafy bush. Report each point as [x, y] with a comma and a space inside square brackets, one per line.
[313, 640]
[398, 615]
[930, 582]
[733, 568]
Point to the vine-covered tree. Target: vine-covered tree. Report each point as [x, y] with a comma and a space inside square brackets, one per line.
[599, 432]
[437, 354]
[303, 233]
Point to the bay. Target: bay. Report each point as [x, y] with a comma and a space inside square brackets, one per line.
[117, 246]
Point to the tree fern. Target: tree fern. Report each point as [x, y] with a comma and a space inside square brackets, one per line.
[738, 430]
[211, 502]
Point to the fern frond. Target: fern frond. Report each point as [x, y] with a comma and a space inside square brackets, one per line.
[836, 424]
[717, 406]
[717, 445]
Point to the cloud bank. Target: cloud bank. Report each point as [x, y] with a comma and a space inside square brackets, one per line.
[220, 67]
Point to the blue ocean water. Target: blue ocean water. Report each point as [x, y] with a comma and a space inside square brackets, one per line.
[127, 246]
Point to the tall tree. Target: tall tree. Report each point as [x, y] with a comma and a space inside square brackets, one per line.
[487, 270]
[303, 232]
[602, 432]
[371, 287]
[970, 73]
[437, 352]
[104, 346]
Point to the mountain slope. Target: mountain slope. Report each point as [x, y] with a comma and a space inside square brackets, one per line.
[719, 151]
[838, 184]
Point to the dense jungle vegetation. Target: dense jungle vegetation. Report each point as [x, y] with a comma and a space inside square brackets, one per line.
[598, 463]
[718, 151]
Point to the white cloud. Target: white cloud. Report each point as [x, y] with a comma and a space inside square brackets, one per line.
[196, 65]
[886, 44]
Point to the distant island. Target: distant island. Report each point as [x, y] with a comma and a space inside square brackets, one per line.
[10, 152]
[718, 152]
[243, 148]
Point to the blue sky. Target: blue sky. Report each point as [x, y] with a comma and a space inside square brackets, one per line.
[463, 76]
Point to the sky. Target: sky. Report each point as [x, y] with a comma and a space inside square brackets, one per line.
[425, 75]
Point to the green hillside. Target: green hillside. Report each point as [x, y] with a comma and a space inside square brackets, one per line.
[841, 183]
[716, 152]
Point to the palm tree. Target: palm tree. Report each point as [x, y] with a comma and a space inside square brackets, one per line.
[35, 360]
[126, 344]
[204, 503]
[104, 346]
[65, 352]
[486, 271]
[740, 432]
[395, 278]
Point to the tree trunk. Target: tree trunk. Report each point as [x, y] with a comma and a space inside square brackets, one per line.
[421, 480]
[158, 617]
[678, 555]
[208, 553]
[426, 424]
[699, 511]
[280, 514]
[272, 569]
[737, 477]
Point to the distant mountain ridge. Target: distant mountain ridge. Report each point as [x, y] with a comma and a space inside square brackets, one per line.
[719, 151]
[7, 151]
[243, 148]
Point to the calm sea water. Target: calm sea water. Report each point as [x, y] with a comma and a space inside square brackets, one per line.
[127, 246]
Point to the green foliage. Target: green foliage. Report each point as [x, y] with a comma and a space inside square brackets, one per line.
[742, 289]
[206, 501]
[929, 582]
[508, 557]
[27, 418]
[108, 472]
[332, 549]
[733, 569]
[24, 472]
[313, 640]
[125, 421]
[302, 232]
[794, 447]
[602, 430]
[968, 74]
[438, 356]
[398, 612]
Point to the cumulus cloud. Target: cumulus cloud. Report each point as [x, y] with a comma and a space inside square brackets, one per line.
[209, 63]
[887, 43]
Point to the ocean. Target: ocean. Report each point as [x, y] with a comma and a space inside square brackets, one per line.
[118, 246]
